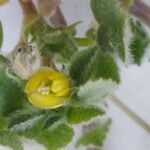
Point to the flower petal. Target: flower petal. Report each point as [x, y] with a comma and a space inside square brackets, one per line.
[42, 75]
[46, 101]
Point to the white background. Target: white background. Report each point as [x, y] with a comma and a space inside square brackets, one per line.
[134, 89]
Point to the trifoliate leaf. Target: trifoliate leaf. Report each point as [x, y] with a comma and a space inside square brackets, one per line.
[95, 136]
[139, 42]
[94, 91]
[93, 64]
[1, 35]
[79, 114]
[11, 96]
[10, 139]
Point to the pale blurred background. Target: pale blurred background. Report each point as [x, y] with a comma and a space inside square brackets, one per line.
[133, 91]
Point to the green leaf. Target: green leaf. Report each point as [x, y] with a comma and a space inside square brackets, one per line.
[95, 65]
[107, 12]
[11, 97]
[85, 42]
[3, 62]
[111, 40]
[56, 138]
[46, 127]
[140, 41]
[94, 91]
[91, 33]
[80, 61]
[21, 116]
[60, 42]
[79, 114]
[10, 139]
[111, 31]
[3, 123]
[96, 136]
[1, 35]
[104, 67]
[52, 139]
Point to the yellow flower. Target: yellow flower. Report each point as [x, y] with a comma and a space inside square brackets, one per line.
[47, 88]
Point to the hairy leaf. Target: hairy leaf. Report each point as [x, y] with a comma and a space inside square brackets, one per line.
[79, 64]
[1, 35]
[79, 114]
[94, 91]
[10, 139]
[139, 42]
[104, 67]
[46, 127]
[57, 42]
[52, 139]
[11, 96]
[111, 30]
[96, 136]
[93, 64]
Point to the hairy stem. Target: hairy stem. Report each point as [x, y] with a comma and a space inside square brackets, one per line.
[136, 118]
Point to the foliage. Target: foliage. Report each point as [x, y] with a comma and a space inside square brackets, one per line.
[1, 35]
[139, 42]
[95, 136]
[111, 30]
[95, 91]
[104, 66]
[11, 139]
[78, 114]
[57, 42]
[11, 97]
[91, 73]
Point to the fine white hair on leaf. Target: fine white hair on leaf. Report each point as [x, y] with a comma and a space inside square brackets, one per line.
[94, 91]
[128, 35]
[23, 126]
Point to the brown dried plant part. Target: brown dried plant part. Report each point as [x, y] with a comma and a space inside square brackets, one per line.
[58, 19]
[141, 10]
[26, 58]
[51, 9]
[48, 7]
[138, 8]
[29, 14]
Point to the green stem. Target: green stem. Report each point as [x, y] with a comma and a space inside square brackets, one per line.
[130, 113]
